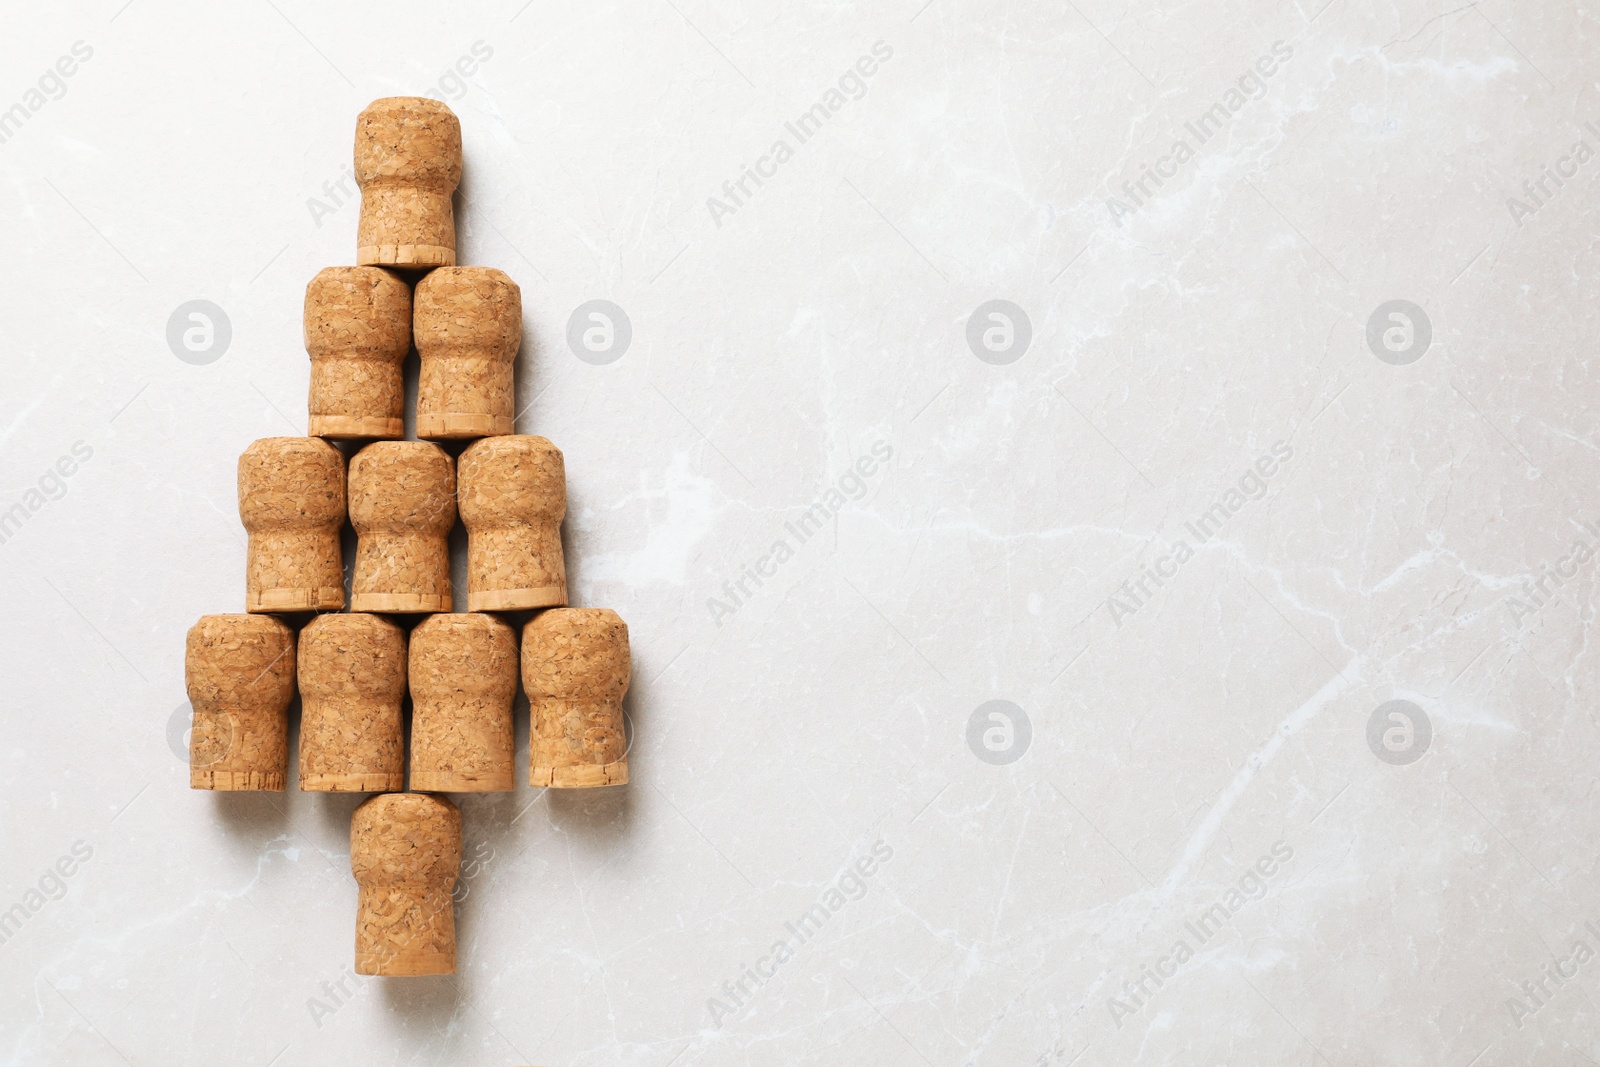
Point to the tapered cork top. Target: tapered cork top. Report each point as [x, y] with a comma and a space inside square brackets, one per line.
[406, 839]
[576, 653]
[240, 660]
[518, 478]
[409, 139]
[354, 657]
[288, 483]
[357, 311]
[403, 487]
[468, 311]
[465, 653]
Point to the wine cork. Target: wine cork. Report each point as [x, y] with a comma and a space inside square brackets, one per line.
[468, 326]
[352, 679]
[408, 164]
[239, 670]
[576, 667]
[405, 851]
[357, 332]
[291, 500]
[513, 495]
[463, 678]
[402, 504]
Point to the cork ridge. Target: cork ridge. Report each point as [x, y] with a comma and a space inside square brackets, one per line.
[408, 164]
[405, 853]
[402, 504]
[240, 674]
[463, 679]
[576, 667]
[513, 496]
[292, 503]
[468, 326]
[357, 333]
[352, 680]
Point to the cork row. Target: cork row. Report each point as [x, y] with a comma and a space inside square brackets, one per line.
[360, 324]
[403, 498]
[353, 672]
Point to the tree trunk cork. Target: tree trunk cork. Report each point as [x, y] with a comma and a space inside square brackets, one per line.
[408, 164]
[357, 332]
[513, 496]
[576, 667]
[463, 679]
[352, 679]
[239, 670]
[291, 500]
[405, 851]
[402, 504]
[468, 327]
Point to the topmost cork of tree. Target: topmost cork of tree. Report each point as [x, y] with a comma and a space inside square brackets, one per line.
[408, 164]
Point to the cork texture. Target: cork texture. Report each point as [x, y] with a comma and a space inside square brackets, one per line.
[576, 667]
[357, 333]
[240, 674]
[463, 679]
[408, 164]
[352, 681]
[292, 503]
[513, 496]
[468, 327]
[405, 853]
[402, 504]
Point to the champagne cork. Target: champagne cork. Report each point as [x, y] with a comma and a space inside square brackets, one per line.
[405, 851]
[408, 164]
[358, 331]
[352, 679]
[576, 667]
[463, 678]
[291, 500]
[468, 326]
[402, 504]
[513, 495]
[239, 670]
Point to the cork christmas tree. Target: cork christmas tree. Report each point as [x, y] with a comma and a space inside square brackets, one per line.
[354, 665]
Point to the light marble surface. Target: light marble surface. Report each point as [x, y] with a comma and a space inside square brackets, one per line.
[1197, 737]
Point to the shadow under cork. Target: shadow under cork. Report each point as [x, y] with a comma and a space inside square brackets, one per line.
[249, 811]
[525, 384]
[603, 815]
[422, 1005]
[411, 377]
[572, 562]
[333, 812]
